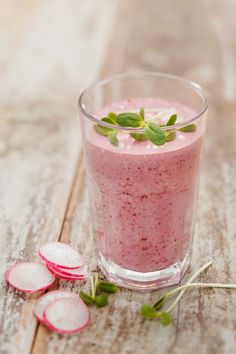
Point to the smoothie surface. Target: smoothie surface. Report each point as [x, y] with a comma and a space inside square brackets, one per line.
[152, 106]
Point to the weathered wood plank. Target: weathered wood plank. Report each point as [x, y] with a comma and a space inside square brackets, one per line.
[45, 49]
[37, 166]
[203, 50]
[205, 325]
[163, 37]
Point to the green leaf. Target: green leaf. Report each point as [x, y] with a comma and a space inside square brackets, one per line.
[172, 119]
[101, 300]
[138, 136]
[189, 128]
[112, 137]
[87, 299]
[160, 303]
[103, 130]
[165, 318]
[107, 287]
[148, 311]
[154, 133]
[129, 119]
[170, 135]
[112, 116]
[141, 113]
[109, 120]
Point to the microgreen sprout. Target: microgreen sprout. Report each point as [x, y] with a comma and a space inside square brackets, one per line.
[152, 130]
[152, 312]
[98, 288]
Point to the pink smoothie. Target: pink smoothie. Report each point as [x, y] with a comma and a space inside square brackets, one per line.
[144, 196]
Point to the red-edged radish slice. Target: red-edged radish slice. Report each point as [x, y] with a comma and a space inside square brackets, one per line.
[83, 271]
[29, 277]
[61, 255]
[66, 316]
[57, 272]
[46, 299]
[80, 272]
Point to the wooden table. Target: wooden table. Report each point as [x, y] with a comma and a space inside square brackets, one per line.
[49, 51]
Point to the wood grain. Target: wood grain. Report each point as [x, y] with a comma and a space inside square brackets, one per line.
[194, 40]
[45, 48]
[205, 320]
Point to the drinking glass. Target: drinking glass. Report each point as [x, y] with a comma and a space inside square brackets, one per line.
[142, 196]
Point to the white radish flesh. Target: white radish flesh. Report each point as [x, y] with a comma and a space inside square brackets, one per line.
[29, 277]
[48, 298]
[66, 316]
[61, 255]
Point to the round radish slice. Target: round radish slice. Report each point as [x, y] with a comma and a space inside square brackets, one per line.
[29, 277]
[66, 315]
[48, 298]
[61, 255]
[58, 273]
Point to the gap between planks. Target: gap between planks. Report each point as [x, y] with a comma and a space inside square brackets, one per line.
[41, 332]
[39, 343]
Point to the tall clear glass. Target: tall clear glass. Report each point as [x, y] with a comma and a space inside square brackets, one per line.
[143, 196]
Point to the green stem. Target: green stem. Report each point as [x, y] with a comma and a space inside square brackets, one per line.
[197, 285]
[95, 283]
[191, 279]
[203, 285]
[93, 292]
[154, 118]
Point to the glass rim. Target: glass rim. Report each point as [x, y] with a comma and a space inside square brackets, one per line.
[193, 85]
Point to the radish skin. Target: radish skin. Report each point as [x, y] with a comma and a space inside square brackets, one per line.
[58, 274]
[69, 274]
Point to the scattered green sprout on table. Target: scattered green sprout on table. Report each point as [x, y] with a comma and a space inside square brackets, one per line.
[156, 310]
[99, 292]
[162, 308]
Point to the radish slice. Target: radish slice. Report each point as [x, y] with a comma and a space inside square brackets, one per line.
[29, 277]
[66, 315]
[61, 255]
[58, 273]
[48, 298]
[81, 272]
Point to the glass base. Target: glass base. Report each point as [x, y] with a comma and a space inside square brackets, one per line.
[143, 281]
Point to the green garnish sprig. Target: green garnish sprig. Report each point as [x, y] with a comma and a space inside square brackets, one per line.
[151, 130]
[98, 288]
[155, 311]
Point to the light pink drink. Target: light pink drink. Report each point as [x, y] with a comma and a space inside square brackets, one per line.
[143, 196]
